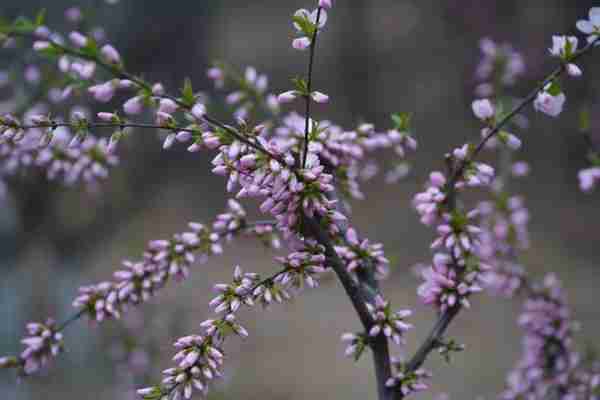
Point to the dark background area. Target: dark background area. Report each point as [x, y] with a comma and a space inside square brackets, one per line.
[375, 58]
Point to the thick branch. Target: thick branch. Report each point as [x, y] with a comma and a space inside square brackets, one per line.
[379, 345]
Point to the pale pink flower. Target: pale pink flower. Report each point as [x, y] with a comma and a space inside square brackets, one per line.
[483, 109]
[549, 104]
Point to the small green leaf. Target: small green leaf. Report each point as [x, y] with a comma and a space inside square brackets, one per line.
[52, 51]
[554, 88]
[401, 121]
[40, 17]
[307, 27]
[23, 25]
[594, 159]
[584, 120]
[91, 48]
[300, 85]
[187, 92]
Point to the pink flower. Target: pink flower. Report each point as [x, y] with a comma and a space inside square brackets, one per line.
[78, 39]
[574, 70]
[588, 178]
[301, 43]
[563, 46]
[198, 110]
[483, 109]
[103, 92]
[591, 27]
[326, 3]
[549, 104]
[288, 96]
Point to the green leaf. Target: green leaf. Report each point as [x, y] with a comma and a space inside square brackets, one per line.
[554, 88]
[23, 25]
[52, 51]
[91, 48]
[401, 121]
[300, 85]
[584, 120]
[307, 27]
[40, 17]
[187, 92]
[5, 26]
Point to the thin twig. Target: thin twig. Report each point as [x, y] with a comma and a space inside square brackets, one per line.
[121, 73]
[308, 99]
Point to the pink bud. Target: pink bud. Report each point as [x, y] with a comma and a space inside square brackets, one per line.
[325, 3]
[103, 92]
[301, 43]
[483, 109]
[169, 141]
[158, 89]
[513, 142]
[105, 116]
[319, 97]
[288, 96]
[78, 39]
[110, 54]
[41, 45]
[437, 179]
[198, 110]
[133, 105]
[168, 106]
[574, 71]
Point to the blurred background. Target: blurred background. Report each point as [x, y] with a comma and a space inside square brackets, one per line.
[375, 58]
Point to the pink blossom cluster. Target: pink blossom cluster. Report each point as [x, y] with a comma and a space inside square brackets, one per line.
[499, 61]
[356, 343]
[430, 203]
[549, 364]
[250, 90]
[200, 357]
[406, 381]
[286, 192]
[163, 261]
[391, 323]
[306, 24]
[199, 360]
[449, 284]
[43, 343]
[302, 268]
[360, 255]
[550, 100]
[342, 150]
[62, 155]
[504, 232]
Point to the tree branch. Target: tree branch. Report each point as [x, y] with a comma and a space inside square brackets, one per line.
[379, 344]
[311, 59]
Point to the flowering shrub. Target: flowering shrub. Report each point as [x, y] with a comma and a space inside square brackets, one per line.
[301, 170]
